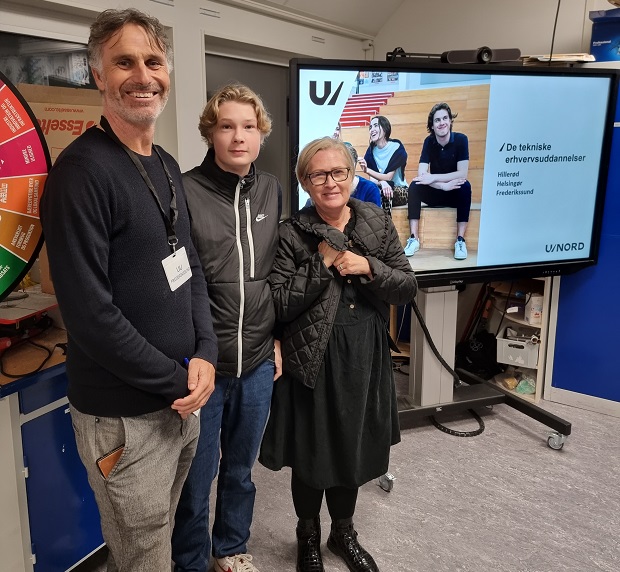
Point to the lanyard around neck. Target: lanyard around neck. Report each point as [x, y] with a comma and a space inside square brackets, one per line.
[174, 212]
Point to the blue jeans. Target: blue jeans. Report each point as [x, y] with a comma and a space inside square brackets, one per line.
[233, 420]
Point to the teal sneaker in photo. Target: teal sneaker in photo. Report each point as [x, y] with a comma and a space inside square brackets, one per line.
[412, 246]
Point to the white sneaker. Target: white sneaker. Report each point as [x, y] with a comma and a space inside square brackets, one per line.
[460, 249]
[412, 246]
[236, 563]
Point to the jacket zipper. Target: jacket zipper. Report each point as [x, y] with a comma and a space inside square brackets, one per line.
[248, 218]
[241, 289]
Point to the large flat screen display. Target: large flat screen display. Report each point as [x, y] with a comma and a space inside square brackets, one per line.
[536, 152]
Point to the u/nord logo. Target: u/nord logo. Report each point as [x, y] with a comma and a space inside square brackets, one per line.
[564, 247]
[327, 92]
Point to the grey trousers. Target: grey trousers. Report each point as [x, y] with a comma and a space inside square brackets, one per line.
[138, 499]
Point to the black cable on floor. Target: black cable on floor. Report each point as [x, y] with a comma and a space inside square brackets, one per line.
[461, 433]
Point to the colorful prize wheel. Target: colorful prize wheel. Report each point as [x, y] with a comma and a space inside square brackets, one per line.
[24, 165]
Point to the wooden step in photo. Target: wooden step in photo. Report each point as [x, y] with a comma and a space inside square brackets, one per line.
[437, 227]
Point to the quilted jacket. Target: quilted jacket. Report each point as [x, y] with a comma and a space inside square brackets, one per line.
[306, 292]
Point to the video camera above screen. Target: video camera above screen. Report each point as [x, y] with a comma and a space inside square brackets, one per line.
[539, 144]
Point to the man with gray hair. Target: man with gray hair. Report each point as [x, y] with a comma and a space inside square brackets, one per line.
[141, 347]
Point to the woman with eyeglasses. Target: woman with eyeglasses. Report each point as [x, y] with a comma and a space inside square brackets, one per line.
[338, 267]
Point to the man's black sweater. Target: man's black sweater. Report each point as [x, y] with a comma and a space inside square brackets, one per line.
[128, 333]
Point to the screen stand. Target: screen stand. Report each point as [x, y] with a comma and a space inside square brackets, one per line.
[431, 387]
[429, 382]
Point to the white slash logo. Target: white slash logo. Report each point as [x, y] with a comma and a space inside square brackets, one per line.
[261, 216]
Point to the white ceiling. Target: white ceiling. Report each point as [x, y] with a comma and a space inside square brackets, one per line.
[363, 18]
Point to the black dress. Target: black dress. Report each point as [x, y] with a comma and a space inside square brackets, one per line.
[340, 432]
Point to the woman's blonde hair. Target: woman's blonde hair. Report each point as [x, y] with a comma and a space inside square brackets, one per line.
[312, 148]
[238, 93]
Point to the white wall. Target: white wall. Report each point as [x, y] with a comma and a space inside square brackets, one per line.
[433, 26]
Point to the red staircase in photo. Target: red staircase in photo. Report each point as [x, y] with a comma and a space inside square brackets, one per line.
[361, 107]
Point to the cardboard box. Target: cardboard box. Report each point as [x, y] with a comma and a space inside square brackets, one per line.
[516, 353]
[605, 42]
[63, 113]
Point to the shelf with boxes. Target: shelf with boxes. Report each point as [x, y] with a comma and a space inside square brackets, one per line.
[519, 318]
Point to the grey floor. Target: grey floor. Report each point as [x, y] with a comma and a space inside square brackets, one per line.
[499, 502]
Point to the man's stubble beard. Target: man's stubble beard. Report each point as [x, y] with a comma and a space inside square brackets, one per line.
[145, 117]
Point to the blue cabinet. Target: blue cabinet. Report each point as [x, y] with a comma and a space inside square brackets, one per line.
[588, 315]
[61, 514]
[64, 522]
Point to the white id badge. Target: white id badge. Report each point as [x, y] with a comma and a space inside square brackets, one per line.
[177, 268]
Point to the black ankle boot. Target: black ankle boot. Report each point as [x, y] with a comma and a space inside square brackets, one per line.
[343, 542]
[309, 545]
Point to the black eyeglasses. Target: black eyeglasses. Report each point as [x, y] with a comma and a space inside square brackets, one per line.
[320, 177]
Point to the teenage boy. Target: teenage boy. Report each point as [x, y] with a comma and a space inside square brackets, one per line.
[235, 210]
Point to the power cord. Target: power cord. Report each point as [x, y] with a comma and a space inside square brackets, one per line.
[461, 433]
[555, 24]
[399, 360]
[505, 311]
[49, 352]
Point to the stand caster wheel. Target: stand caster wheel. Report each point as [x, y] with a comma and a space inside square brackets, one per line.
[556, 441]
[386, 482]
